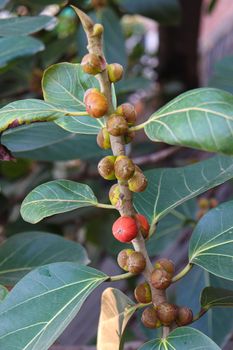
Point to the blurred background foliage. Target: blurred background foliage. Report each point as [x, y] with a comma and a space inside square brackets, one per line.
[165, 49]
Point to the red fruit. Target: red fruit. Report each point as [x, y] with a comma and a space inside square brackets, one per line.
[125, 229]
[144, 224]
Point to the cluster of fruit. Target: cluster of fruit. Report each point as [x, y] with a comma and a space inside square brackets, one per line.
[165, 313]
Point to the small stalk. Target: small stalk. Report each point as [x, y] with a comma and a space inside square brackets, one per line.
[120, 277]
[105, 206]
[201, 313]
[182, 273]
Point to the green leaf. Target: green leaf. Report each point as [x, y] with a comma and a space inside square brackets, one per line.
[3, 293]
[183, 338]
[211, 244]
[23, 25]
[18, 46]
[43, 303]
[81, 125]
[65, 84]
[54, 197]
[211, 297]
[47, 141]
[163, 11]
[116, 311]
[26, 251]
[28, 111]
[200, 118]
[168, 188]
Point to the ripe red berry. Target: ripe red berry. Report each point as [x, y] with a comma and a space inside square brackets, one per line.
[125, 229]
[144, 224]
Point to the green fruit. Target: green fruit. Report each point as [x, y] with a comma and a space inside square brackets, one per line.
[115, 72]
[103, 139]
[106, 167]
[114, 195]
[138, 182]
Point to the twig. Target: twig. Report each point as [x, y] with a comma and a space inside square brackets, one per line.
[155, 157]
[118, 147]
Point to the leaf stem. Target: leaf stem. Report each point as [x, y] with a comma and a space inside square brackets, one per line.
[138, 127]
[201, 313]
[105, 206]
[182, 273]
[120, 277]
[77, 114]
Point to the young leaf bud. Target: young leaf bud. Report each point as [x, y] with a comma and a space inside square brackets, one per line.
[128, 111]
[122, 258]
[161, 279]
[138, 181]
[125, 229]
[150, 319]
[106, 167]
[115, 72]
[124, 168]
[144, 225]
[96, 103]
[184, 316]
[117, 125]
[167, 313]
[166, 265]
[142, 293]
[136, 263]
[93, 64]
[103, 139]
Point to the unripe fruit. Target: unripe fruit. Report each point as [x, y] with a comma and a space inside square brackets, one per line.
[144, 224]
[122, 258]
[166, 265]
[167, 313]
[115, 72]
[98, 29]
[106, 167]
[142, 293]
[128, 111]
[124, 168]
[114, 195]
[93, 64]
[96, 103]
[213, 202]
[160, 279]
[150, 319]
[203, 203]
[125, 229]
[138, 181]
[184, 316]
[117, 125]
[103, 139]
[136, 263]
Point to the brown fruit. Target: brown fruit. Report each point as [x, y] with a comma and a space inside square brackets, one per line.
[184, 316]
[124, 168]
[115, 72]
[106, 167]
[103, 139]
[166, 265]
[160, 279]
[167, 313]
[138, 182]
[128, 111]
[114, 195]
[117, 125]
[142, 293]
[93, 64]
[136, 263]
[122, 258]
[96, 103]
[150, 319]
